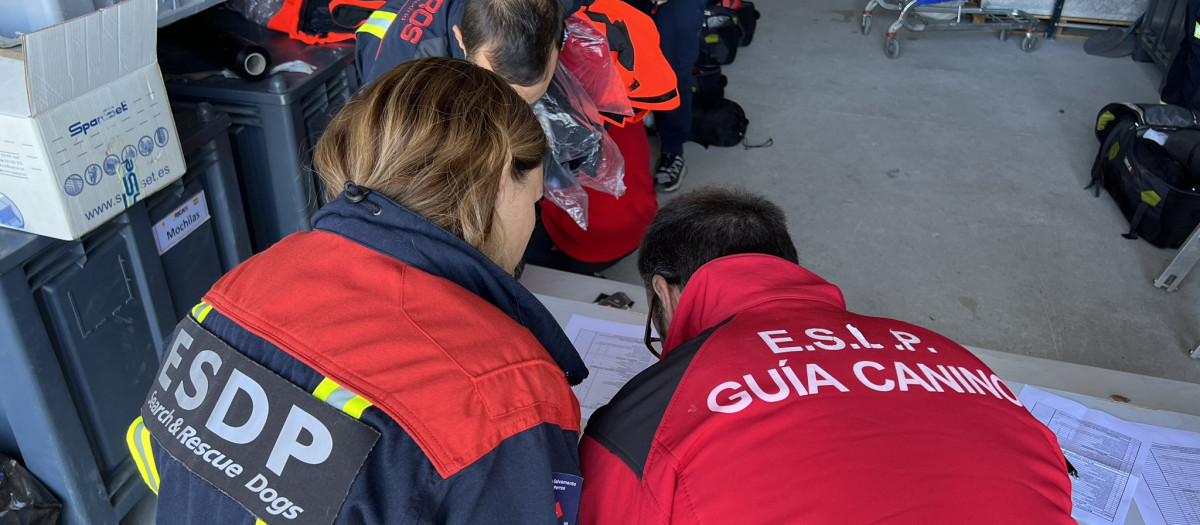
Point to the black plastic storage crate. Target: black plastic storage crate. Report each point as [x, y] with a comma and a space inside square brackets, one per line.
[199, 222]
[82, 323]
[80, 327]
[276, 120]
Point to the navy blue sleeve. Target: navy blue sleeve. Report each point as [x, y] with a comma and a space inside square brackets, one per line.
[515, 482]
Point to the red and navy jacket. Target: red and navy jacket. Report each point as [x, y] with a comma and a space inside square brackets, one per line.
[773, 404]
[403, 30]
[463, 374]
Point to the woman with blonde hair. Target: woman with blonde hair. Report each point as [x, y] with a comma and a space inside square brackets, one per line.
[441, 386]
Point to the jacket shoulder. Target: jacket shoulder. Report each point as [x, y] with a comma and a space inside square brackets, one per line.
[455, 372]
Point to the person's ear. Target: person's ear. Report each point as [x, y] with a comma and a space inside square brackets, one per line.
[458, 38]
[668, 299]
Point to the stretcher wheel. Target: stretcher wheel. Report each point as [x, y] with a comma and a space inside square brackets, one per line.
[866, 24]
[891, 47]
[1004, 33]
[1030, 43]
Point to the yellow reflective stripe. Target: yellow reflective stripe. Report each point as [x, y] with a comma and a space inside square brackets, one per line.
[383, 16]
[204, 313]
[259, 522]
[356, 406]
[151, 465]
[378, 24]
[138, 440]
[1196, 31]
[341, 398]
[200, 311]
[373, 30]
[136, 453]
[326, 387]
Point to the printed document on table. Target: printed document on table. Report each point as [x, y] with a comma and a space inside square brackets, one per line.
[1169, 493]
[613, 352]
[1107, 451]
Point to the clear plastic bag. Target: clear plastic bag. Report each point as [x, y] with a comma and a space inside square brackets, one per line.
[257, 11]
[577, 137]
[587, 56]
[561, 188]
[568, 140]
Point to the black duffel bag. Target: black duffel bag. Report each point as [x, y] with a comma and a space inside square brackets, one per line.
[720, 123]
[720, 36]
[747, 17]
[1148, 162]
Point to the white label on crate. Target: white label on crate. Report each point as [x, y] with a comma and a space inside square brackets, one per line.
[181, 222]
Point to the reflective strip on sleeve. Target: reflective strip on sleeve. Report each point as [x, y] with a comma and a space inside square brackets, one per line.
[1196, 31]
[259, 522]
[378, 24]
[200, 311]
[138, 439]
[340, 398]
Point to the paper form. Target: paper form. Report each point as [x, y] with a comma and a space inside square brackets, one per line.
[1170, 491]
[613, 352]
[1108, 452]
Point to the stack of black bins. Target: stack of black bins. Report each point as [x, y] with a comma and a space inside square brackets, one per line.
[276, 120]
[82, 323]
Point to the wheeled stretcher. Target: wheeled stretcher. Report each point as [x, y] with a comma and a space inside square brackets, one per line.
[940, 15]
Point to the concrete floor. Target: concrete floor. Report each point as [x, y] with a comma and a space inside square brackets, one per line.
[945, 187]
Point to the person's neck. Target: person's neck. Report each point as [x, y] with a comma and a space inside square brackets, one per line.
[726, 286]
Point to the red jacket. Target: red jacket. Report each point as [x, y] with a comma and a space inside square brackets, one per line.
[773, 404]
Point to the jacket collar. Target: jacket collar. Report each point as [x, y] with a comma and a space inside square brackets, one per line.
[411, 239]
[728, 285]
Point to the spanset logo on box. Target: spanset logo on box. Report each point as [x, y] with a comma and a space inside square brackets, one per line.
[112, 111]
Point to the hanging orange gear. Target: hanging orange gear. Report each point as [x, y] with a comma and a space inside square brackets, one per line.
[322, 21]
[633, 41]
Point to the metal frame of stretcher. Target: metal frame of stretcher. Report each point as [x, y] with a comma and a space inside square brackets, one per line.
[1184, 261]
[918, 15]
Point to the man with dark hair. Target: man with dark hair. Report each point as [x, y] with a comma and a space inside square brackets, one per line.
[517, 39]
[774, 404]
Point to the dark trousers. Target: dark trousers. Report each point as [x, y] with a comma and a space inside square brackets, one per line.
[1181, 86]
[679, 23]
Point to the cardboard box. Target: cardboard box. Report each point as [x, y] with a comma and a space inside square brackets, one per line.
[85, 127]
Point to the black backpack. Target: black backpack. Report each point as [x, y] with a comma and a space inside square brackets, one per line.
[747, 17]
[721, 123]
[710, 84]
[1148, 160]
[747, 22]
[720, 36]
